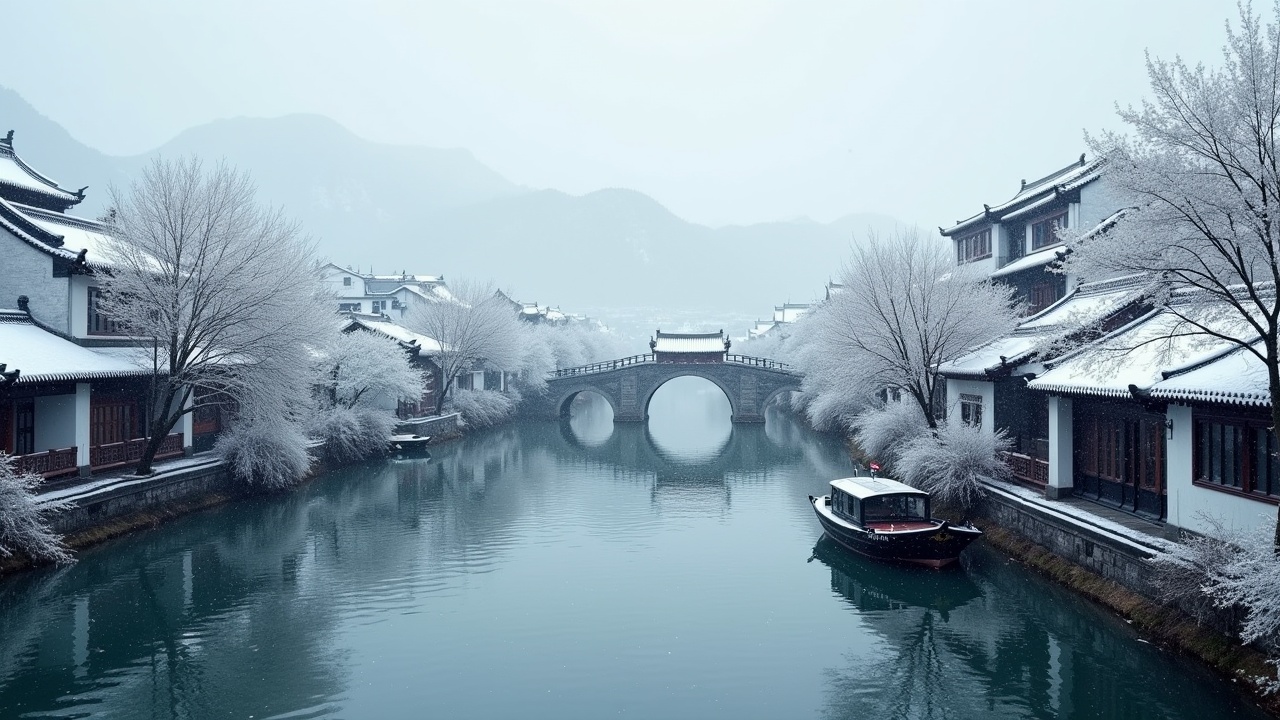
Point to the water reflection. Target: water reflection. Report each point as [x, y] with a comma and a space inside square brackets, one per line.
[591, 418]
[689, 419]
[984, 640]
[559, 570]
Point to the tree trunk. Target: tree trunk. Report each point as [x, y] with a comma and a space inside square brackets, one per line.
[1273, 377]
[158, 429]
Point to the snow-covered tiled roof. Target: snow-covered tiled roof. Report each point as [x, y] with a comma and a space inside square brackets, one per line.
[1037, 259]
[1086, 304]
[689, 342]
[1038, 193]
[77, 233]
[42, 356]
[1142, 353]
[376, 323]
[18, 181]
[1014, 349]
[1235, 377]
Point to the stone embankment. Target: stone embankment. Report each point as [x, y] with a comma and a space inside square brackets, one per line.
[108, 506]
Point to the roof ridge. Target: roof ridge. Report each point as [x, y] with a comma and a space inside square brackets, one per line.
[1206, 359]
[1079, 163]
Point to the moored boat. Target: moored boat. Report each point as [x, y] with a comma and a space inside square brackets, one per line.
[888, 520]
[408, 444]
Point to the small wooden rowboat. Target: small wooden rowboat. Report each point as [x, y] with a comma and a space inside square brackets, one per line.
[888, 520]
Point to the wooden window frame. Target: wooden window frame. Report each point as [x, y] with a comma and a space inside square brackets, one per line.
[97, 322]
[1209, 435]
[973, 247]
[1044, 231]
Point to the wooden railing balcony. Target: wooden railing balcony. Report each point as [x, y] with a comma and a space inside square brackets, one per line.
[1028, 469]
[48, 464]
[123, 453]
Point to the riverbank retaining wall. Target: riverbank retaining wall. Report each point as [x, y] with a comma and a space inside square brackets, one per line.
[1123, 560]
[96, 505]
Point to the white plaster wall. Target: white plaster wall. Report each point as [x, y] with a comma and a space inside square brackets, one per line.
[83, 393]
[332, 280]
[55, 422]
[1097, 202]
[999, 247]
[78, 304]
[1187, 503]
[973, 387]
[25, 270]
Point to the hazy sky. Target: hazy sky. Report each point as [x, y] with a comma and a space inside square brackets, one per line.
[726, 112]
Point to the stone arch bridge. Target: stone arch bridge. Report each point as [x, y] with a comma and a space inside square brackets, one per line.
[628, 384]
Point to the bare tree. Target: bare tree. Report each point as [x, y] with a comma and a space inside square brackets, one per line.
[219, 291]
[1202, 175]
[905, 309]
[476, 327]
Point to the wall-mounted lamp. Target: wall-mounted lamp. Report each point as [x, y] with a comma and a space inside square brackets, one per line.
[1168, 424]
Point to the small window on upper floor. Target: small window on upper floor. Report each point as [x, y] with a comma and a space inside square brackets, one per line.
[346, 281]
[349, 307]
[97, 322]
[973, 247]
[1045, 232]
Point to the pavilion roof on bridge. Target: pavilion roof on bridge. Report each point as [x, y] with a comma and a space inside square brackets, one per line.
[681, 343]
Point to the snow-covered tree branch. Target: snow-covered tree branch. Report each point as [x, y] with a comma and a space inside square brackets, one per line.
[24, 520]
[476, 327]
[219, 291]
[362, 376]
[905, 309]
[1201, 174]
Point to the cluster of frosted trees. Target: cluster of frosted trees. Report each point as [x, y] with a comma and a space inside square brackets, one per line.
[870, 355]
[226, 294]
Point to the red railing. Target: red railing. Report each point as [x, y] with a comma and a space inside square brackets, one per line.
[50, 463]
[1028, 469]
[122, 453]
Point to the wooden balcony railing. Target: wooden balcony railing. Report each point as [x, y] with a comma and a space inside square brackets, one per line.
[1028, 469]
[48, 464]
[123, 453]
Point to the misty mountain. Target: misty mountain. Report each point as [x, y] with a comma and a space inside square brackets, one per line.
[441, 211]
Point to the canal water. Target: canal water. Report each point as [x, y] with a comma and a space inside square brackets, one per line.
[567, 570]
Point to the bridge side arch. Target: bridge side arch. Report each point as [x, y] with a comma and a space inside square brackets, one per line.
[790, 387]
[563, 397]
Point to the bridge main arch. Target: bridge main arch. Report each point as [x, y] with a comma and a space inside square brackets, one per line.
[629, 384]
[660, 381]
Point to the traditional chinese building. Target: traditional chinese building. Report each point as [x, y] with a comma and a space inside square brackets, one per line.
[1018, 240]
[689, 347]
[72, 400]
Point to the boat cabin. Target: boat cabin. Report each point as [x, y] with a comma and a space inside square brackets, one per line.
[867, 500]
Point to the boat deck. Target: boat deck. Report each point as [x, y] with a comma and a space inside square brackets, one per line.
[900, 526]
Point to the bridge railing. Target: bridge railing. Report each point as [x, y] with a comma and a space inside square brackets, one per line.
[605, 366]
[759, 362]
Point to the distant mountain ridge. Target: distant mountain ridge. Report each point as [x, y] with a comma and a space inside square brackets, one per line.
[441, 211]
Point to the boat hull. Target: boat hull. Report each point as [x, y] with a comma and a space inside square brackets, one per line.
[937, 545]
